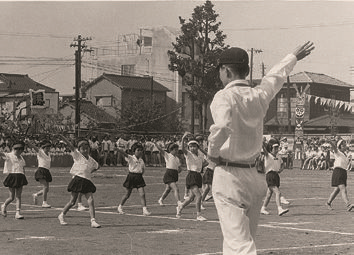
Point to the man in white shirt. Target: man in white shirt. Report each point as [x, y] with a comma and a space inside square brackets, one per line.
[235, 141]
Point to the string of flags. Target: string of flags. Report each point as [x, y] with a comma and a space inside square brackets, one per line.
[330, 102]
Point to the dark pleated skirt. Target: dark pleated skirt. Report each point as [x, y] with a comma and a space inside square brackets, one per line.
[134, 180]
[208, 176]
[339, 176]
[43, 173]
[15, 181]
[171, 175]
[273, 179]
[81, 185]
[194, 179]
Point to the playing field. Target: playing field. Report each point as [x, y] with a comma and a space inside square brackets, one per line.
[309, 228]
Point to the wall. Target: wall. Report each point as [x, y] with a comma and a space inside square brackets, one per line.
[105, 87]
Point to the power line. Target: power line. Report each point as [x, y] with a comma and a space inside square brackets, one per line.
[36, 35]
[290, 27]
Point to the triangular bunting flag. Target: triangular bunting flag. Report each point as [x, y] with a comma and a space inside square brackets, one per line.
[337, 102]
[308, 97]
[341, 104]
[316, 99]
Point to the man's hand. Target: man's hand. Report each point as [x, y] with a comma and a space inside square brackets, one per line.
[304, 50]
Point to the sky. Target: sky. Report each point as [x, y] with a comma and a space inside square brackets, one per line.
[35, 37]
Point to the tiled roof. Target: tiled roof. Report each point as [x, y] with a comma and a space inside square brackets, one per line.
[308, 77]
[130, 82]
[93, 111]
[20, 83]
[342, 121]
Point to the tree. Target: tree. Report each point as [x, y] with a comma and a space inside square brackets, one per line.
[195, 55]
[148, 117]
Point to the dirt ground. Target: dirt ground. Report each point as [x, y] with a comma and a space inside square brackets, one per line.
[309, 228]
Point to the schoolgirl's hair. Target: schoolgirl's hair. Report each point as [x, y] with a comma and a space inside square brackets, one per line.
[272, 143]
[18, 144]
[171, 146]
[45, 143]
[82, 141]
[339, 143]
[136, 146]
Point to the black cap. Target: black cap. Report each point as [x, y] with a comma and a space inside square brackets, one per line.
[233, 55]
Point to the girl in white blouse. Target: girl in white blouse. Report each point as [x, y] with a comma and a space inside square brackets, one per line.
[173, 168]
[195, 161]
[15, 168]
[341, 165]
[135, 176]
[82, 169]
[42, 175]
[273, 165]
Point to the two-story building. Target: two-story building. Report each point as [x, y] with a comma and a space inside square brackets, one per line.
[114, 92]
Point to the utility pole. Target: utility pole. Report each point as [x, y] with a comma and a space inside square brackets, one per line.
[80, 47]
[289, 105]
[251, 62]
[152, 89]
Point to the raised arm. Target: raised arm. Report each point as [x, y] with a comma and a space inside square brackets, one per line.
[203, 151]
[334, 147]
[264, 149]
[122, 151]
[31, 145]
[184, 138]
[159, 147]
[304, 50]
[68, 143]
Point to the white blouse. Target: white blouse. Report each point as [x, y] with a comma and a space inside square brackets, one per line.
[172, 162]
[135, 165]
[44, 160]
[272, 163]
[82, 166]
[13, 164]
[194, 162]
[340, 160]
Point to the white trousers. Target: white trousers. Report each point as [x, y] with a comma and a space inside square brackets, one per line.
[238, 195]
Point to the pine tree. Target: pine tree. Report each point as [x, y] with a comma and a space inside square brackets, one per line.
[195, 56]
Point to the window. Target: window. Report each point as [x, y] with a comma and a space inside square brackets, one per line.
[128, 70]
[104, 101]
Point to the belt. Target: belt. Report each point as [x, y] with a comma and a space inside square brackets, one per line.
[234, 164]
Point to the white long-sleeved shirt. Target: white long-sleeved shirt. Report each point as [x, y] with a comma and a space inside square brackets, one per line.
[44, 160]
[238, 111]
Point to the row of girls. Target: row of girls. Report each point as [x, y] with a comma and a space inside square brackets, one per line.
[84, 165]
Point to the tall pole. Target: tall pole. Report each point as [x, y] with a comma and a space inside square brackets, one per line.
[152, 88]
[77, 92]
[78, 52]
[251, 63]
[289, 105]
[251, 67]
